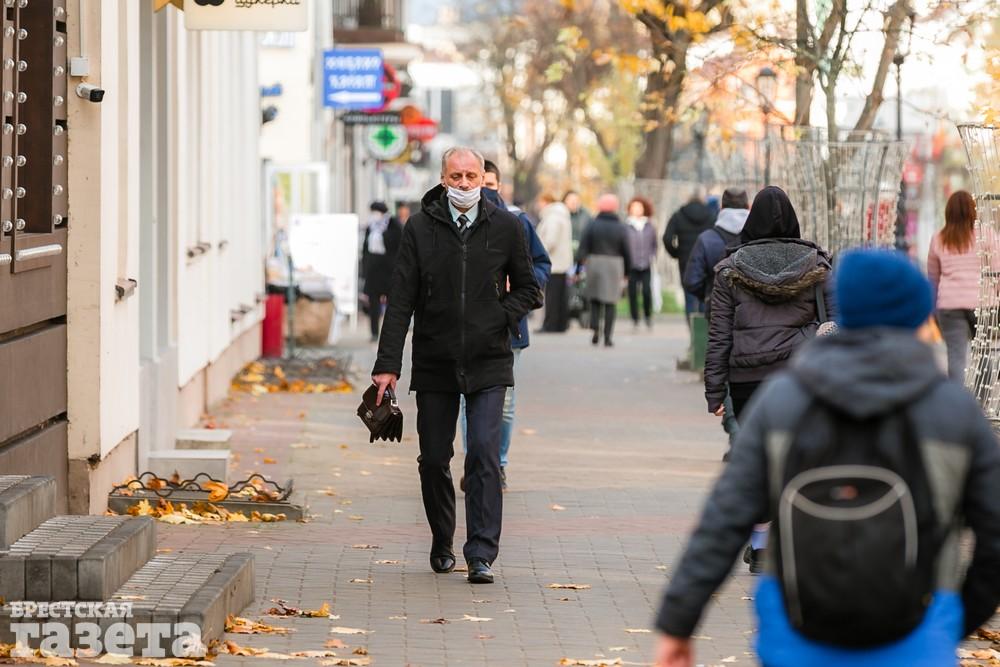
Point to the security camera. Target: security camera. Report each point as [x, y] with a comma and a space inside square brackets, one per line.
[90, 92]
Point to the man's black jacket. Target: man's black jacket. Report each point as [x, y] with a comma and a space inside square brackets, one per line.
[456, 292]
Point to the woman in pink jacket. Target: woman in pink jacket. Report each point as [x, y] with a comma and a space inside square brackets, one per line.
[954, 269]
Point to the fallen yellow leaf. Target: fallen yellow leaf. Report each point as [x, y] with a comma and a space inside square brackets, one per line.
[216, 491]
[571, 587]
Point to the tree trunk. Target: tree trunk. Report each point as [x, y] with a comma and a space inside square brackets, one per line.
[831, 110]
[656, 154]
[804, 66]
[663, 92]
[895, 18]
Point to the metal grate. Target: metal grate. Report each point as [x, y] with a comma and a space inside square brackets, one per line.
[982, 376]
[843, 191]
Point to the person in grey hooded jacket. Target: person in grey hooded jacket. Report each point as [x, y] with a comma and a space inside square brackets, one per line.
[712, 244]
[872, 369]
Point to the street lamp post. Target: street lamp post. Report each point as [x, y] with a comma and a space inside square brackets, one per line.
[767, 83]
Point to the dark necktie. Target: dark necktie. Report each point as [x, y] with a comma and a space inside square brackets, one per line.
[463, 225]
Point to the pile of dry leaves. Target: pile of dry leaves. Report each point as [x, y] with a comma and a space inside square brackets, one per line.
[199, 512]
[320, 376]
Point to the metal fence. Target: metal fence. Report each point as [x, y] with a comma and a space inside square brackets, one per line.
[843, 191]
[982, 375]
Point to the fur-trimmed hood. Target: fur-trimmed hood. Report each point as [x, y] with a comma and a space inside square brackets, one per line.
[776, 270]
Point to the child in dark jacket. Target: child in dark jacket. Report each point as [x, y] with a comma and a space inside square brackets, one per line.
[874, 368]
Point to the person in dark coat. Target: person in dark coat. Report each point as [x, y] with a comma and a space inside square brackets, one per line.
[378, 258]
[605, 253]
[458, 255]
[871, 370]
[642, 247]
[683, 229]
[542, 266]
[712, 244]
[579, 216]
[699, 277]
[766, 302]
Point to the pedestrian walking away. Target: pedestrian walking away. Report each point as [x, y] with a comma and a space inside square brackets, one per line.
[456, 259]
[579, 216]
[954, 269]
[403, 213]
[873, 463]
[642, 248]
[699, 276]
[541, 265]
[770, 295]
[555, 230]
[378, 257]
[605, 253]
[683, 229]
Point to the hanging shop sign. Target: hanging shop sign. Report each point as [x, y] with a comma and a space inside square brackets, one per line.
[263, 15]
[352, 79]
[386, 142]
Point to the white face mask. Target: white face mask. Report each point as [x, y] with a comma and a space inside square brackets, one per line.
[463, 198]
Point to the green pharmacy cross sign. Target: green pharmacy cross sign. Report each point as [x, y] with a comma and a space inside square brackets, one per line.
[386, 142]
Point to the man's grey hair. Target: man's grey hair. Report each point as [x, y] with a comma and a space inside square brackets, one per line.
[455, 150]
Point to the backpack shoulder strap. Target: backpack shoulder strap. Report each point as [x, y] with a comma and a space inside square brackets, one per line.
[821, 311]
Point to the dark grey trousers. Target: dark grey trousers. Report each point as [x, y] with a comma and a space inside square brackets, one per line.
[437, 418]
[957, 328]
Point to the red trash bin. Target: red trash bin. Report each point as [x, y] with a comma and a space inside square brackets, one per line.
[273, 343]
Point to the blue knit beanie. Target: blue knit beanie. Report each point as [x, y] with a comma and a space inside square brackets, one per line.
[881, 288]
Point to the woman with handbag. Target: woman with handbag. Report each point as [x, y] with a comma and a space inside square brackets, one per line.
[954, 270]
[770, 296]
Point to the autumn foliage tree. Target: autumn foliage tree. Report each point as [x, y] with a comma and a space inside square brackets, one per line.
[558, 67]
[673, 27]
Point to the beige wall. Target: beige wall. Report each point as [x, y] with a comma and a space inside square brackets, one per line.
[216, 131]
[211, 119]
[103, 333]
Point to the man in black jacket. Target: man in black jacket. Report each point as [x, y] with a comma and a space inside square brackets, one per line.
[455, 260]
[683, 229]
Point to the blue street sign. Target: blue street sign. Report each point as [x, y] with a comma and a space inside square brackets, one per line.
[352, 78]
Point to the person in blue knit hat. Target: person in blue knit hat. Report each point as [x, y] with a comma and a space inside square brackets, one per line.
[864, 404]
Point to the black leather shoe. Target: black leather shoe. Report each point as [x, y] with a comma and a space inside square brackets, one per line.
[480, 572]
[443, 563]
[757, 560]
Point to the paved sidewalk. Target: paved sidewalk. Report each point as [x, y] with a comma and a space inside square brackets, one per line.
[617, 437]
[612, 456]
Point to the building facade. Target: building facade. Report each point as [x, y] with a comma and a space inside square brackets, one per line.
[131, 242]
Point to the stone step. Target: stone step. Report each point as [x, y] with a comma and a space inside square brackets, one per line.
[189, 462]
[203, 438]
[25, 502]
[197, 589]
[76, 558]
[173, 606]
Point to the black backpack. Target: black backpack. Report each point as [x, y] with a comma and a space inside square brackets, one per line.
[855, 537]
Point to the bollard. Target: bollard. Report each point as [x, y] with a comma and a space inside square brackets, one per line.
[699, 341]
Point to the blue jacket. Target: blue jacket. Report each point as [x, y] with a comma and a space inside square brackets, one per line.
[539, 259]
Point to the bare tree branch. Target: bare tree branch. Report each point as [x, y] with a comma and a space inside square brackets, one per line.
[895, 18]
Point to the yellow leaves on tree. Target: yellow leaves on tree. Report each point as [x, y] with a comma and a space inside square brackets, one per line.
[988, 98]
